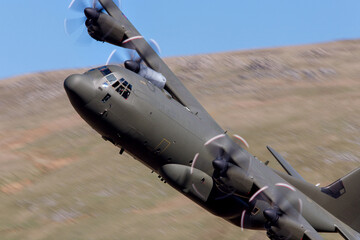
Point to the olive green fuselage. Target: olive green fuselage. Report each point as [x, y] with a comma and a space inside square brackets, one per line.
[169, 131]
[147, 123]
[157, 130]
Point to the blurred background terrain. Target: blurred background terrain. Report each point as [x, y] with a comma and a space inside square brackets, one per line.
[60, 180]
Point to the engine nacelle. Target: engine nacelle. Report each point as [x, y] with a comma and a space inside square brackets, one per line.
[235, 180]
[285, 228]
[191, 181]
[149, 74]
[154, 77]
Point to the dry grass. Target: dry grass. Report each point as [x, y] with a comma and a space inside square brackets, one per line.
[60, 180]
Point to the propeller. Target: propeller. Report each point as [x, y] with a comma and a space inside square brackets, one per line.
[283, 216]
[285, 202]
[91, 10]
[80, 5]
[131, 59]
[88, 8]
[120, 57]
[281, 206]
[231, 165]
[224, 149]
[134, 63]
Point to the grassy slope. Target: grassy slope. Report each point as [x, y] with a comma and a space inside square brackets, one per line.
[60, 180]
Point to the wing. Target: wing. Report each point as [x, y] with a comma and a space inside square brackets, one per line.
[133, 39]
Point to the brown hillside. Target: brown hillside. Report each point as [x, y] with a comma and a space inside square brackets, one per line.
[60, 180]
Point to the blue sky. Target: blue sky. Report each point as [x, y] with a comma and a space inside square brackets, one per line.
[33, 37]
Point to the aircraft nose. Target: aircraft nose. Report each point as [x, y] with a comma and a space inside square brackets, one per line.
[80, 89]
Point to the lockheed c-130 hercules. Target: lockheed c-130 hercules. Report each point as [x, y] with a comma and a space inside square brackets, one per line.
[145, 110]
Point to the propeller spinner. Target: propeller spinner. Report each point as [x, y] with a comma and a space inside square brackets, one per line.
[231, 165]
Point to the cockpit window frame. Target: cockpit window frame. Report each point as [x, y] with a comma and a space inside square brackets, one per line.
[121, 86]
[124, 89]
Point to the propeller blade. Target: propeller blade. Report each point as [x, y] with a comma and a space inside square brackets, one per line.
[91, 9]
[287, 201]
[73, 24]
[284, 215]
[216, 145]
[133, 55]
[110, 57]
[119, 57]
[241, 140]
[78, 5]
[155, 46]
[236, 178]
[222, 146]
[230, 175]
[96, 4]
[242, 159]
[84, 37]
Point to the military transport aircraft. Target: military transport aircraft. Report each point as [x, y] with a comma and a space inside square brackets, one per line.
[145, 110]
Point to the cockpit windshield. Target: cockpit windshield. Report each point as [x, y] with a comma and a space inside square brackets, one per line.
[111, 78]
[121, 86]
[124, 89]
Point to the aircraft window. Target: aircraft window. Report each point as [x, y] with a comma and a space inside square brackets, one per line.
[106, 98]
[111, 78]
[126, 94]
[120, 89]
[124, 89]
[104, 70]
[116, 84]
